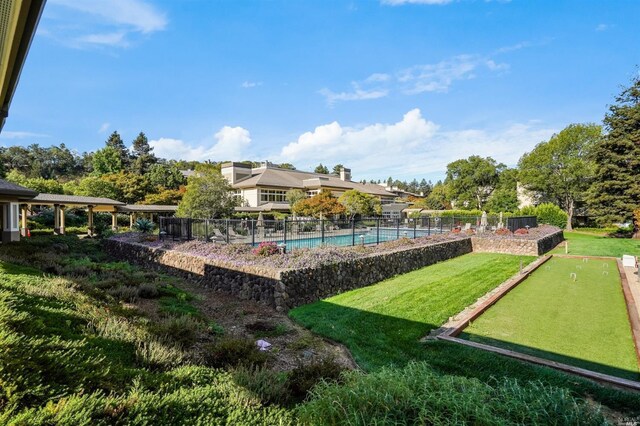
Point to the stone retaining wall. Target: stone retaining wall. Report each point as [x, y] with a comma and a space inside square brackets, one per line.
[514, 245]
[286, 289]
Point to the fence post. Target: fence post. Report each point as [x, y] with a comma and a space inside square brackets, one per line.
[441, 224]
[253, 232]
[397, 228]
[415, 224]
[227, 229]
[353, 231]
[377, 230]
[285, 230]
[428, 226]
[322, 230]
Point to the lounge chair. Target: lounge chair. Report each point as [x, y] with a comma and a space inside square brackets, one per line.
[232, 234]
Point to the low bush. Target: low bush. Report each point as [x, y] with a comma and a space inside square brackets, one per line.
[156, 354]
[182, 330]
[521, 231]
[268, 385]
[305, 376]
[418, 395]
[551, 214]
[266, 248]
[232, 352]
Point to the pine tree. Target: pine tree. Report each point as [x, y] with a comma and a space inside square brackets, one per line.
[142, 154]
[115, 142]
[615, 191]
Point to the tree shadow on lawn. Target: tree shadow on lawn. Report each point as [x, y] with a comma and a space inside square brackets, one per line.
[376, 340]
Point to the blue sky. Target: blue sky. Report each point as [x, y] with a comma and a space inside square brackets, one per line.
[392, 87]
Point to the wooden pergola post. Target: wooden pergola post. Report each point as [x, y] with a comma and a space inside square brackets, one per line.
[56, 219]
[62, 210]
[132, 220]
[114, 221]
[90, 220]
[23, 219]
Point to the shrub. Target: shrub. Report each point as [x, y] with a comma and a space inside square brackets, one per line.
[148, 291]
[503, 231]
[266, 248]
[416, 394]
[521, 231]
[304, 377]
[268, 385]
[231, 352]
[125, 293]
[157, 354]
[551, 214]
[182, 330]
[144, 225]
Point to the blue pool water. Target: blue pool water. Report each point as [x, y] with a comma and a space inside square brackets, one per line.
[386, 234]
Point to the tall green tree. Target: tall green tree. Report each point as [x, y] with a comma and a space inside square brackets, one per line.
[505, 196]
[359, 203]
[561, 169]
[208, 195]
[439, 198]
[615, 191]
[116, 142]
[165, 175]
[472, 180]
[106, 161]
[294, 196]
[337, 168]
[321, 169]
[142, 154]
[94, 186]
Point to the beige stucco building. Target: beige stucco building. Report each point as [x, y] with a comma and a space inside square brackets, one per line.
[265, 188]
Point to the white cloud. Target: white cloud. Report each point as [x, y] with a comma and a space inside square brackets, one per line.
[104, 127]
[439, 77]
[250, 84]
[436, 77]
[411, 147]
[401, 2]
[97, 23]
[357, 94]
[21, 135]
[231, 143]
[602, 27]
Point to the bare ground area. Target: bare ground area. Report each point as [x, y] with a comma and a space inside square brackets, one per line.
[291, 344]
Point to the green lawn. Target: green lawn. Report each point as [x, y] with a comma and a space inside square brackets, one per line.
[382, 324]
[582, 323]
[596, 245]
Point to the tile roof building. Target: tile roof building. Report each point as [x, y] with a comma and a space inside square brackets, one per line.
[264, 188]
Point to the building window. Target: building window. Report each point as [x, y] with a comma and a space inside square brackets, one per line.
[273, 195]
[312, 192]
[11, 217]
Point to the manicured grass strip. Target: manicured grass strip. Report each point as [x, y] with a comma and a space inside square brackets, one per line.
[595, 245]
[582, 323]
[382, 324]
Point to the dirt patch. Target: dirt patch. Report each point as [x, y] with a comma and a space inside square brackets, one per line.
[291, 344]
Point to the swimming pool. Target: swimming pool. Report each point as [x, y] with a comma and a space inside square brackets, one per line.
[369, 237]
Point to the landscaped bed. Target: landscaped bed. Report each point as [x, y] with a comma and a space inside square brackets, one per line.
[245, 255]
[570, 310]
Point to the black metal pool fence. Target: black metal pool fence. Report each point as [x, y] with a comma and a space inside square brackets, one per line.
[296, 233]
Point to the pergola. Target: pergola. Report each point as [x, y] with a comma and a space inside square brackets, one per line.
[143, 210]
[61, 202]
